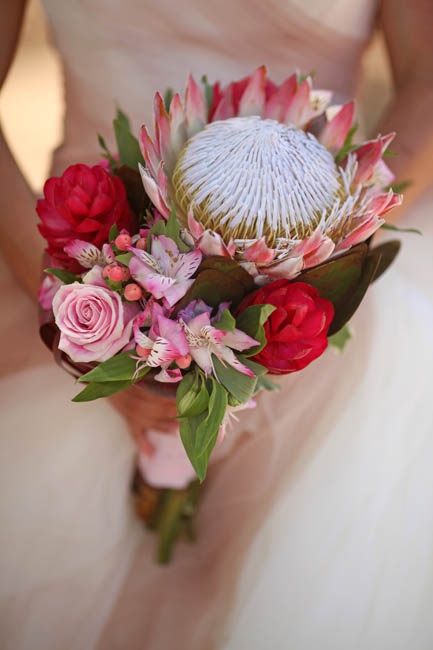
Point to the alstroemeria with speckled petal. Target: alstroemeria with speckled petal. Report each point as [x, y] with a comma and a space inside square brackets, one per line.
[164, 272]
[204, 340]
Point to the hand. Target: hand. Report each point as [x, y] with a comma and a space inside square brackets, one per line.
[145, 409]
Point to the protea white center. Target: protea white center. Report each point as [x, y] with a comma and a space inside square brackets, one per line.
[247, 177]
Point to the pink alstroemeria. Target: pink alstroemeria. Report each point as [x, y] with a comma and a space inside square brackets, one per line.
[165, 272]
[48, 289]
[88, 255]
[95, 277]
[164, 343]
[205, 340]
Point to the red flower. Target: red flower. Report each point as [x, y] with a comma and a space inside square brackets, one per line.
[82, 204]
[296, 332]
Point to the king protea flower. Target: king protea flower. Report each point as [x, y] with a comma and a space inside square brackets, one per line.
[254, 175]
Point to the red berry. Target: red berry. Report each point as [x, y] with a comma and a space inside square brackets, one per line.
[123, 242]
[133, 292]
[184, 362]
[141, 244]
[115, 273]
[143, 352]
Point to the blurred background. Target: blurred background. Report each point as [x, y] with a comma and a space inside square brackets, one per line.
[31, 102]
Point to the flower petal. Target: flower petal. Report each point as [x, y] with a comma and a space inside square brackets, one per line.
[148, 150]
[277, 105]
[154, 193]
[335, 131]
[238, 340]
[85, 253]
[195, 108]
[162, 127]
[187, 265]
[253, 98]
[259, 252]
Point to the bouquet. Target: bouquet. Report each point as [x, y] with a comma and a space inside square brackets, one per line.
[229, 246]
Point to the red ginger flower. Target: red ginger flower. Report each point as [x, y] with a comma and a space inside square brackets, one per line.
[82, 204]
[296, 332]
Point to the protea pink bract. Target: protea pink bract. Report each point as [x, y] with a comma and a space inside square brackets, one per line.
[254, 175]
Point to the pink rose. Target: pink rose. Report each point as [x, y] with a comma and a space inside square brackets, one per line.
[94, 324]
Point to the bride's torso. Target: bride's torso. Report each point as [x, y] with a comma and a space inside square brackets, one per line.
[120, 52]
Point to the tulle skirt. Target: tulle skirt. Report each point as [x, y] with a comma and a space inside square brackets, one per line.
[316, 531]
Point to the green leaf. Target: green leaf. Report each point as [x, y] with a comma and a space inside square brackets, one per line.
[168, 96]
[137, 197]
[251, 322]
[341, 338]
[170, 522]
[172, 230]
[219, 279]
[123, 119]
[208, 429]
[65, 276]
[199, 433]
[388, 252]
[348, 145]
[114, 232]
[337, 279]
[389, 226]
[114, 286]
[398, 188]
[107, 153]
[124, 258]
[264, 383]
[257, 368]
[304, 77]
[120, 367]
[192, 397]
[208, 92]
[226, 322]
[97, 390]
[157, 229]
[241, 386]
[127, 144]
[354, 298]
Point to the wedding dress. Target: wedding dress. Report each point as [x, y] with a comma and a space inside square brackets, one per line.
[317, 532]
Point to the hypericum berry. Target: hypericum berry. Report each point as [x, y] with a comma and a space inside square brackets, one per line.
[126, 273]
[115, 273]
[123, 241]
[141, 244]
[143, 352]
[184, 361]
[133, 292]
[106, 271]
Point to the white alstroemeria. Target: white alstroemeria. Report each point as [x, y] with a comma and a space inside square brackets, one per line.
[164, 272]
